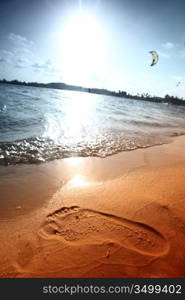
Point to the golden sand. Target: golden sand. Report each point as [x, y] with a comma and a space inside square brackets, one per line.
[122, 216]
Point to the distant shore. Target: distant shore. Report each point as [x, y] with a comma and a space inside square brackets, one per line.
[122, 216]
[123, 94]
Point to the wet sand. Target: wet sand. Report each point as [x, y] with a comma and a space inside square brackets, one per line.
[121, 216]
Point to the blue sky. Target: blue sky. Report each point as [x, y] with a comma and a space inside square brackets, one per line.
[97, 43]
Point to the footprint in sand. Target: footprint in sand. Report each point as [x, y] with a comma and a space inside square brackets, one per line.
[76, 225]
[25, 253]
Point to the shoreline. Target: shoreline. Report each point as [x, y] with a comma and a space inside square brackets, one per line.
[174, 100]
[120, 216]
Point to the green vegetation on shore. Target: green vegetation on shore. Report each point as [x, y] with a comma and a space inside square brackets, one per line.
[123, 94]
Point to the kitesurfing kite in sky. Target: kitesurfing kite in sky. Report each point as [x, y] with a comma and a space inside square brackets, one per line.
[155, 57]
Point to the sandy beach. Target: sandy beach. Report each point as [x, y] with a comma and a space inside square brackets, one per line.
[120, 216]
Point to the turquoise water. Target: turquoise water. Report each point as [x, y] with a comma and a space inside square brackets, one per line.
[38, 124]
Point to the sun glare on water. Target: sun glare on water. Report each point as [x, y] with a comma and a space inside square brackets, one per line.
[83, 48]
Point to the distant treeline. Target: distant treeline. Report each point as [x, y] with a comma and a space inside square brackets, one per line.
[123, 94]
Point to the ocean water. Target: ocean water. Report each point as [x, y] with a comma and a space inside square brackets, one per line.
[39, 124]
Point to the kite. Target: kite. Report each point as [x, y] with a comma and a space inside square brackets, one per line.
[155, 57]
[178, 84]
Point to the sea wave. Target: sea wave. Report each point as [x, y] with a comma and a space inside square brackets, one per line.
[38, 150]
[39, 125]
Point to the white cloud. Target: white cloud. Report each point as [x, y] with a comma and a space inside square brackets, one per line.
[6, 53]
[5, 56]
[168, 45]
[47, 66]
[21, 54]
[15, 37]
[19, 40]
[39, 66]
[21, 63]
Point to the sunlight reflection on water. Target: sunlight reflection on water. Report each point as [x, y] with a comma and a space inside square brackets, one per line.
[77, 115]
[49, 124]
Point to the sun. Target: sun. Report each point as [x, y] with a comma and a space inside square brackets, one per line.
[83, 47]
